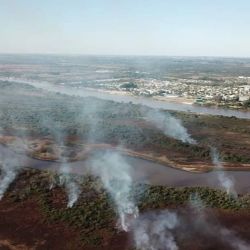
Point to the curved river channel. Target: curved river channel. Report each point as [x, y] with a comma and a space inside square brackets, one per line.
[143, 171]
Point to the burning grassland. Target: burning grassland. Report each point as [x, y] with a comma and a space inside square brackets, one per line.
[93, 219]
[59, 125]
[107, 208]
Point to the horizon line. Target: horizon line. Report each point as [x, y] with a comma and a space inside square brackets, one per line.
[122, 55]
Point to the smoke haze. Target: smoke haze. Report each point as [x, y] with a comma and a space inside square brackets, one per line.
[154, 231]
[212, 226]
[9, 168]
[226, 182]
[67, 180]
[170, 126]
[115, 174]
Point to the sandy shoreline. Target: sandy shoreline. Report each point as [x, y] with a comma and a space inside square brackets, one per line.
[169, 99]
[172, 99]
[189, 101]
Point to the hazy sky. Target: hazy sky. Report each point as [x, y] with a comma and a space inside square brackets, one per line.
[141, 27]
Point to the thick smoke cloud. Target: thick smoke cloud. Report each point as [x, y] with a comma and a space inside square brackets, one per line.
[115, 174]
[154, 231]
[225, 181]
[169, 125]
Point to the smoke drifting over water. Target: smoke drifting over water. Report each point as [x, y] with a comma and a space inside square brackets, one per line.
[66, 178]
[153, 231]
[115, 175]
[226, 182]
[9, 165]
[170, 126]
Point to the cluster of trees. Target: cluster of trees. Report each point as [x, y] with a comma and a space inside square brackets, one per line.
[160, 197]
[94, 210]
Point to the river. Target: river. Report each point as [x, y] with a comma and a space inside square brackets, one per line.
[84, 92]
[143, 171]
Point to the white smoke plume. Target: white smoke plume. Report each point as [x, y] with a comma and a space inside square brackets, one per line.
[67, 180]
[213, 228]
[9, 165]
[153, 231]
[170, 125]
[114, 173]
[9, 169]
[225, 181]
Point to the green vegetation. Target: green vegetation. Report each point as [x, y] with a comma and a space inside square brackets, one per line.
[160, 197]
[118, 124]
[94, 211]
[228, 134]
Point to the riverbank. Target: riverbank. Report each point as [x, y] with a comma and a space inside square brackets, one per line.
[46, 150]
[142, 171]
[182, 103]
[125, 97]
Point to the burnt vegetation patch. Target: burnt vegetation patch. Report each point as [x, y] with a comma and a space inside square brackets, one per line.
[94, 217]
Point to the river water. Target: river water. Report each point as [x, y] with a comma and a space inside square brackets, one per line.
[152, 103]
[143, 171]
[84, 92]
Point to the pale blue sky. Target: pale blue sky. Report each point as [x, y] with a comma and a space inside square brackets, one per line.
[130, 27]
